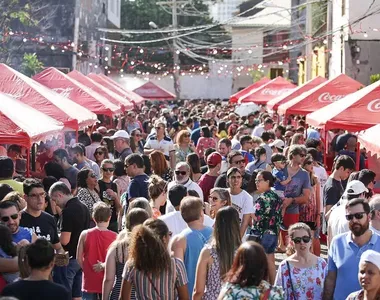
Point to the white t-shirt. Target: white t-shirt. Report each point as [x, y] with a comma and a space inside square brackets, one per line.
[258, 131]
[235, 144]
[190, 185]
[322, 176]
[176, 224]
[337, 220]
[243, 203]
[165, 145]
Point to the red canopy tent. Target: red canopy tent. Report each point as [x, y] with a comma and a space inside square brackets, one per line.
[356, 112]
[276, 102]
[369, 139]
[320, 96]
[34, 94]
[235, 97]
[70, 88]
[23, 125]
[268, 91]
[153, 92]
[116, 88]
[116, 99]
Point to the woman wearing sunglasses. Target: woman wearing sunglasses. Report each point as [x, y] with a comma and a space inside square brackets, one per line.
[184, 146]
[136, 142]
[100, 154]
[302, 274]
[310, 213]
[218, 199]
[109, 192]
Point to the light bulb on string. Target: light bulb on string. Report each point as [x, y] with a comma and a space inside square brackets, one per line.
[24, 40]
[141, 51]
[106, 59]
[52, 47]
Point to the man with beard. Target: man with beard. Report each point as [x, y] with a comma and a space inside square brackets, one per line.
[182, 176]
[346, 249]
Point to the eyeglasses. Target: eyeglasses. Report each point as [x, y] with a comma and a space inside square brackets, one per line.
[304, 239]
[187, 135]
[239, 162]
[308, 163]
[6, 219]
[183, 173]
[126, 166]
[108, 169]
[259, 180]
[36, 196]
[92, 175]
[357, 216]
[302, 155]
[99, 153]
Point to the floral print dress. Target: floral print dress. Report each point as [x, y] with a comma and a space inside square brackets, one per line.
[236, 292]
[268, 214]
[307, 282]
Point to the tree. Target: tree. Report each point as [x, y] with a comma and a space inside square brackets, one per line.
[374, 78]
[31, 65]
[157, 57]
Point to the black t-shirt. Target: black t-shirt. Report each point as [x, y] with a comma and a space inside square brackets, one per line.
[36, 290]
[43, 226]
[75, 219]
[221, 181]
[332, 191]
[103, 187]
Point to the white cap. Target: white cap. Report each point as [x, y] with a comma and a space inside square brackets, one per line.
[165, 111]
[278, 144]
[372, 257]
[355, 187]
[122, 134]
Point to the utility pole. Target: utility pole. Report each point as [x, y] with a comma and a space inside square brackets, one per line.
[76, 34]
[309, 45]
[176, 61]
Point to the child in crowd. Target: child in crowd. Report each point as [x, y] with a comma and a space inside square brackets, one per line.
[279, 162]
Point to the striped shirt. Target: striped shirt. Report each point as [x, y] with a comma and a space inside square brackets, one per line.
[165, 284]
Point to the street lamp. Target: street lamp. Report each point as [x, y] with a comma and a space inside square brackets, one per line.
[175, 54]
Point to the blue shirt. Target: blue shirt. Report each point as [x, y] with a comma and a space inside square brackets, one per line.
[138, 187]
[344, 256]
[293, 189]
[195, 135]
[21, 234]
[248, 156]
[195, 240]
[280, 176]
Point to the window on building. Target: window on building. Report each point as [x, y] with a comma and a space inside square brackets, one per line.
[275, 72]
[343, 7]
[104, 8]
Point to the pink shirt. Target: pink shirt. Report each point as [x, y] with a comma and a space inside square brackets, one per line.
[203, 144]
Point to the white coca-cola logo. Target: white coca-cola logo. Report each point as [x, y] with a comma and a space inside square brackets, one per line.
[327, 97]
[374, 105]
[274, 92]
[63, 92]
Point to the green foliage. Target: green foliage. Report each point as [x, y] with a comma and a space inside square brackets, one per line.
[374, 78]
[31, 65]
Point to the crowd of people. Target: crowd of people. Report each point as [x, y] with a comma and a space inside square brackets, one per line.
[191, 203]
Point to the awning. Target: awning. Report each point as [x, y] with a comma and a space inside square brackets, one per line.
[153, 92]
[355, 112]
[324, 94]
[36, 95]
[74, 90]
[23, 125]
[235, 97]
[276, 102]
[268, 91]
[369, 139]
[101, 90]
[116, 88]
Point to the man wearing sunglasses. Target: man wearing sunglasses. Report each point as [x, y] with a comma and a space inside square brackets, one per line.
[182, 176]
[346, 249]
[10, 216]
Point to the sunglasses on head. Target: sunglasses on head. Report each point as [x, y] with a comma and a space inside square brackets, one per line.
[6, 219]
[98, 153]
[108, 169]
[180, 173]
[357, 216]
[304, 239]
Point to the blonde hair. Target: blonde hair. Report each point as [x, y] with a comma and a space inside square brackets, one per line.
[180, 136]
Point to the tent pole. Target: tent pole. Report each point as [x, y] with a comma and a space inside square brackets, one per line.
[77, 134]
[326, 149]
[357, 156]
[28, 162]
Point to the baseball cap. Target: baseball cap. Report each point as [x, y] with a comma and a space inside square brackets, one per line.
[214, 159]
[278, 144]
[372, 257]
[355, 187]
[165, 111]
[122, 134]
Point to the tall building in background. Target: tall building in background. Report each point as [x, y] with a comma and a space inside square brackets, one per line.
[223, 10]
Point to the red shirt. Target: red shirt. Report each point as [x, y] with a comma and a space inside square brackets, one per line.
[206, 182]
[95, 249]
[43, 158]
